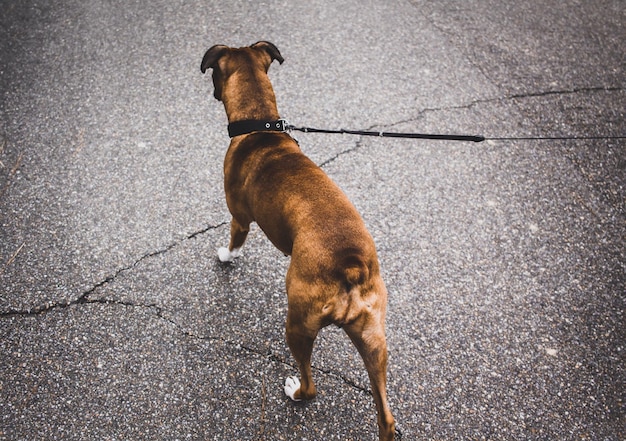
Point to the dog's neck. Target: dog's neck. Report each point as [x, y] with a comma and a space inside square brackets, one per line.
[254, 101]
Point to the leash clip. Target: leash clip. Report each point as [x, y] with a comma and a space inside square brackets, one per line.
[282, 125]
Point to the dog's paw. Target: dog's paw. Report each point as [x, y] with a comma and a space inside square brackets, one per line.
[292, 385]
[225, 255]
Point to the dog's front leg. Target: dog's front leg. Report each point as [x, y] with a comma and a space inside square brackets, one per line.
[238, 234]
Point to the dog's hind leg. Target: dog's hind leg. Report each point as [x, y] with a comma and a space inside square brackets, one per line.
[300, 341]
[368, 335]
[301, 346]
[238, 234]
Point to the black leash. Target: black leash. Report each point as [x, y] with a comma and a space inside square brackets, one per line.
[281, 125]
[470, 138]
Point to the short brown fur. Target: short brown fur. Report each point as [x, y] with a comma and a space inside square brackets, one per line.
[334, 275]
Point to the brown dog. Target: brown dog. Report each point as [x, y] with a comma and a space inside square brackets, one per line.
[334, 275]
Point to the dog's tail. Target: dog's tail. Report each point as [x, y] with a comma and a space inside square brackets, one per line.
[349, 303]
[355, 271]
[355, 275]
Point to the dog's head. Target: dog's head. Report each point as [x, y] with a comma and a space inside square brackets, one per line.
[225, 61]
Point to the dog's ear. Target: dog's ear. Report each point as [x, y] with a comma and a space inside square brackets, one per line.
[212, 55]
[270, 49]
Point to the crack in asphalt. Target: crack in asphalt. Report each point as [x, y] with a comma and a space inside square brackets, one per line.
[356, 146]
[474, 103]
[84, 297]
[267, 354]
[512, 97]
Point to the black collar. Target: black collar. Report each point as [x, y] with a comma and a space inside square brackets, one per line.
[251, 125]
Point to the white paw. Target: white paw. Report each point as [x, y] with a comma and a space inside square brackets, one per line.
[225, 255]
[292, 385]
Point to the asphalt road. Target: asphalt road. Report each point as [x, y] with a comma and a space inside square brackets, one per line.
[505, 260]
